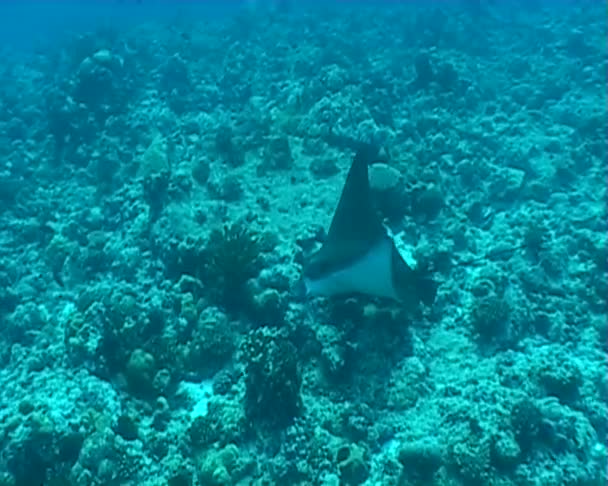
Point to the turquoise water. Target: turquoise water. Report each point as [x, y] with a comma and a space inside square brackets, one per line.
[169, 173]
[26, 24]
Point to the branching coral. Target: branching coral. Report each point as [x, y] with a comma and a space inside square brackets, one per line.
[226, 147]
[154, 170]
[277, 155]
[220, 467]
[212, 342]
[491, 320]
[420, 460]
[273, 378]
[232, 258]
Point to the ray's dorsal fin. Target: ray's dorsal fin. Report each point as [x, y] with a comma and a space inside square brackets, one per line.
[355, 219]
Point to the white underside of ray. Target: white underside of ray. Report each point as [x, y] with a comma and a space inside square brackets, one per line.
[404, 250]
[370, 275]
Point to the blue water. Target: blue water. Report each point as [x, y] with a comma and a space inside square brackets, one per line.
[303, 243]
[25, 23]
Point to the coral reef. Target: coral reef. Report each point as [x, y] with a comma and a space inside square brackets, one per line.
[163, 179]
[272, 378]
[231, 259]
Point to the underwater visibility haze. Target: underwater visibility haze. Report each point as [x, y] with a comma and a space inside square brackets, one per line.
[303, 243]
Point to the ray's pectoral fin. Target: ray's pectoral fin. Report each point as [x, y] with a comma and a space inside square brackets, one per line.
[356, 256]
[359, 254]
[413, 284]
